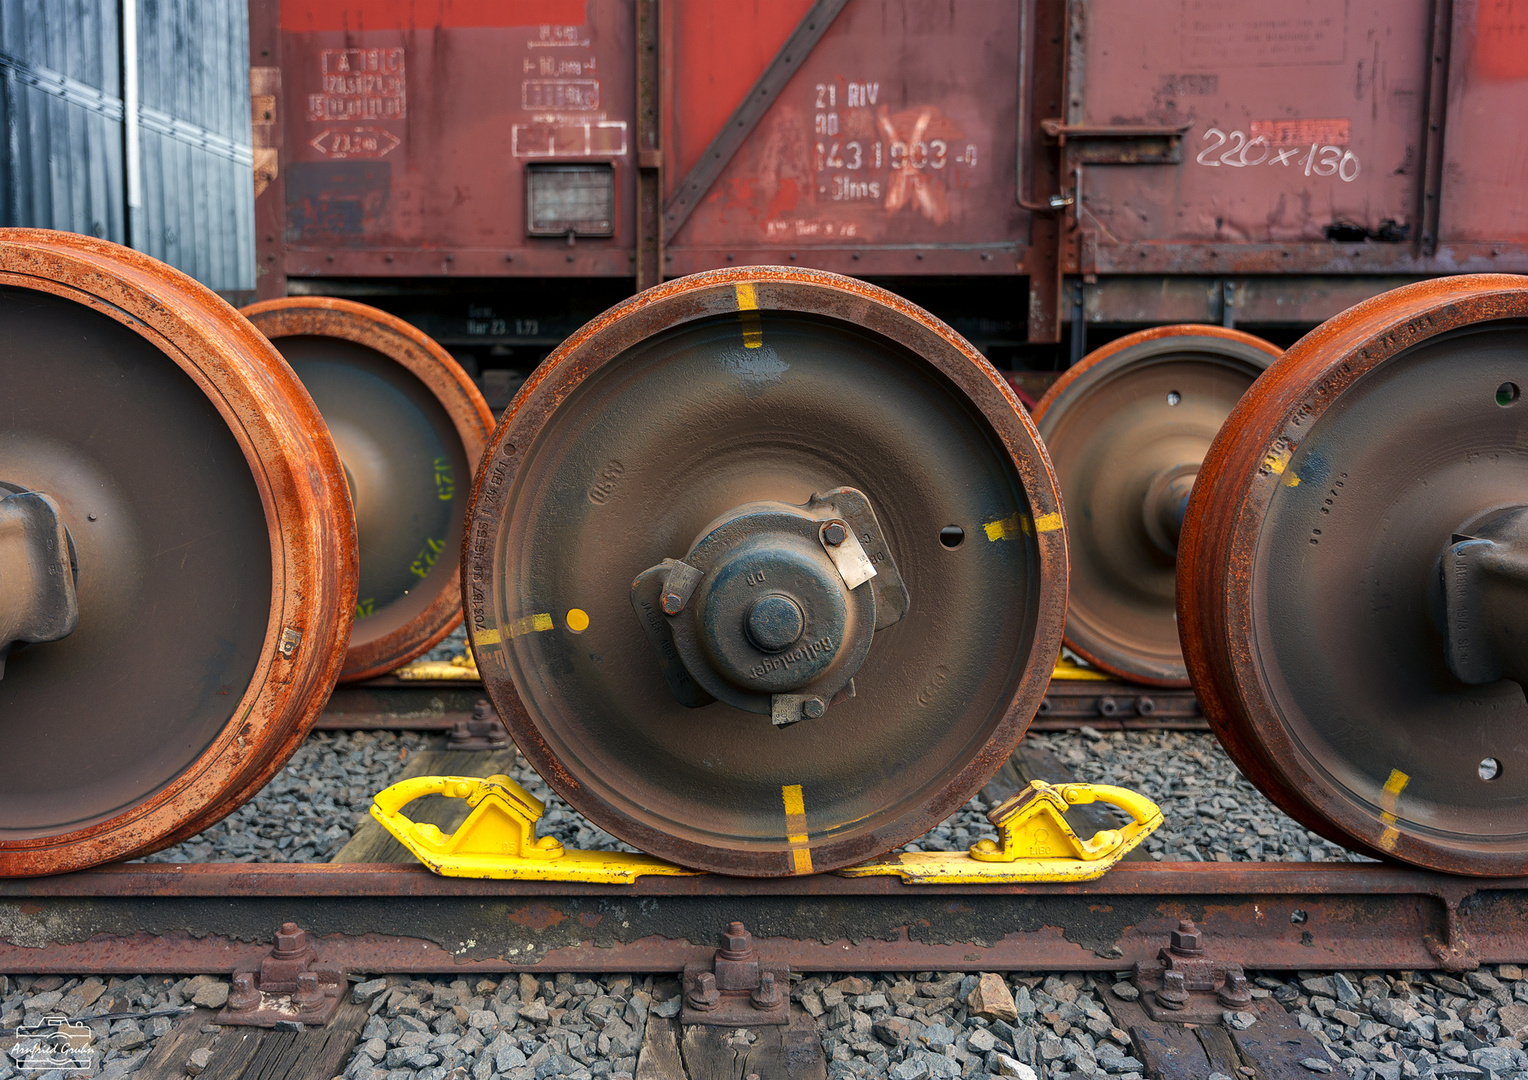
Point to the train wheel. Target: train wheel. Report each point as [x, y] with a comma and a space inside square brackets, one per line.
[410, 427]
[1349, 595]
[174, 485]
[1127, 428]
[668, 571]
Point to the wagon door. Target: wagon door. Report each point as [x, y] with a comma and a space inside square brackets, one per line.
[1301, 124]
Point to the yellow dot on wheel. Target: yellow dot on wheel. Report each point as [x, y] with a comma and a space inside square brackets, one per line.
[578, 620]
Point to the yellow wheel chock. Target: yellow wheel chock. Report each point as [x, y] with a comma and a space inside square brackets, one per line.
[498, 839]
[1034, 843]
[1069, 670]
[458, 667]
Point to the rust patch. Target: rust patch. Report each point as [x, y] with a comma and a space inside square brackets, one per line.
[537, 916]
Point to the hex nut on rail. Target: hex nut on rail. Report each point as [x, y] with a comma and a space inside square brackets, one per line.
[292, 986]
[736, 989]
[1186, 984]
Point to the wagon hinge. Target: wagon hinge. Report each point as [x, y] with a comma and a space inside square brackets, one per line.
[688, 192]
[649, 217]
[1080, 256]
[1120, 144]
[1453, 949]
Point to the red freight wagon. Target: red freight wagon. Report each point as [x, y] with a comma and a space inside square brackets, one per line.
[1128, 161]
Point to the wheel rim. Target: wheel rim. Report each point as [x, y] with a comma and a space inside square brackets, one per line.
[1126, 429]
[1310, 602]
[410, 427]
[657, 418]
[212, 553]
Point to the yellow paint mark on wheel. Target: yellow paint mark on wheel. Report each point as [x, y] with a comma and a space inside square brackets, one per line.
[530, 624]
[578, 620]
[1293, 481]
[1020, 524]
[1387, 801]
[748, 312]
[795, 828]
[1007, 528]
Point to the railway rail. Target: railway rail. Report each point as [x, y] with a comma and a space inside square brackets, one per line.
[401, 918]
[393, 704]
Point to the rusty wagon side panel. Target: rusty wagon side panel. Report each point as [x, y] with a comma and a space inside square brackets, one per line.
[1301, 118]
[408, 133]
[892, 149]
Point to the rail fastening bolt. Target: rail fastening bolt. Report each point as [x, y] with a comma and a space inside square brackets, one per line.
[243, 996]
[704, 996]
[767, 995]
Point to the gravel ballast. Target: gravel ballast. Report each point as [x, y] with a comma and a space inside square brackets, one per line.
[923, 1026]
[311, 808]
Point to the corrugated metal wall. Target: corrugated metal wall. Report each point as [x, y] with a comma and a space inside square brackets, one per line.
[66, 150]
[60, 99]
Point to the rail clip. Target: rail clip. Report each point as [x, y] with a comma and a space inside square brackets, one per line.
[1034, 842]
[498, 839]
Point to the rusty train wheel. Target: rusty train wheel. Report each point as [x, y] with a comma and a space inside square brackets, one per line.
[697, 421]
[1347, 595]
[1127, 428]
[210, 546]
[410, 427]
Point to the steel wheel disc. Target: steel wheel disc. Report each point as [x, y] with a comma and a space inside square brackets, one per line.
[658, 417]
[214, 549]
[410, 426]
[1311, 599]
[1119, 427]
